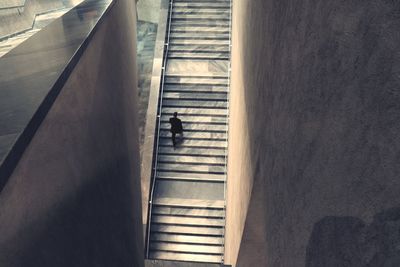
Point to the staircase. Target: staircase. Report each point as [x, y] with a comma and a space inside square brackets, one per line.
[187, 210]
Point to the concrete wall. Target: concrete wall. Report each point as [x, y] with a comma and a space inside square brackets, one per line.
[74, 199]
[314, 145]
[149, 10]
[14, 21]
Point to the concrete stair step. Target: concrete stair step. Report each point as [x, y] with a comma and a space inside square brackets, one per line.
[196, 80]
[191, 170]
[200, 16]
[195, 104]
[195, 143]
[193, 127]
[202, 119]
[173, 263]
[200, 23]
[195, 111]
[191, 230]
[196, 95]
[173, 42]
[192, 203]
[191, 88]
[191, 160]
[201, 11]
[198, 36]
[197, 135]
[185, 257]
[201, 49]
[187, 221]
[203, 2]
[194, 29]
[188, 189]
[179, 176]
[209, 213]
[187, 239]
[200, 30]
[196, 249]
[188, 151]
[200, 5]
[202, 56]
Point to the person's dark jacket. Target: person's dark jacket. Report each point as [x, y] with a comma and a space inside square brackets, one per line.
[176, 125]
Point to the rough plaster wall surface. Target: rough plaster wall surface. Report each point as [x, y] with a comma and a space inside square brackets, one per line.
[320, 113]
[74, 198]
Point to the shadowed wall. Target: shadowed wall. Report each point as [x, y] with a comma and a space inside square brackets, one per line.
[74, 198]
[314, 143]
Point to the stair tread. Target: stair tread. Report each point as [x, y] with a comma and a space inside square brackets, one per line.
[186, 168]
[195, 95]
[193, 160]
[162, 174]
[204, 10]
[190, 127]
[204, 135]
[177, 202]
[195, 249]
[189, 230]
[204, 119]
[191, 151]
[200, 42]
[185, 257]
[207, 56]
[176, 238]
[194, 212]
[167, 219]
[195, 104]
[194, 88]
[196, 143]
[195, 111]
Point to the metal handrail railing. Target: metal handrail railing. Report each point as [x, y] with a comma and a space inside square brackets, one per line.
[163, 69]
[227, 129]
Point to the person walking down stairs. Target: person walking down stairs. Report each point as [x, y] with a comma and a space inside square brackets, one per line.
[176, 127]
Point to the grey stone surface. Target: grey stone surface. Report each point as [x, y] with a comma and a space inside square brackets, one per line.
[146, 39]
[315, 101]
[39, 22]
[23, 19]
[348, 241]
[74, 198]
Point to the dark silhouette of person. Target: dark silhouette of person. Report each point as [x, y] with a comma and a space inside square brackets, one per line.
[176, 127]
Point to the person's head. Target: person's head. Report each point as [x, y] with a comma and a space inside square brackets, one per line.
[175, 114]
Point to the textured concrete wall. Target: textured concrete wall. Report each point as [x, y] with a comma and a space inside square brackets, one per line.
[15, 21]
[74, 199]
[149, 10]
[315, 117]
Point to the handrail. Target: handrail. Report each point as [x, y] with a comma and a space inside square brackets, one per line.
[153, 182]
[227, 129]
